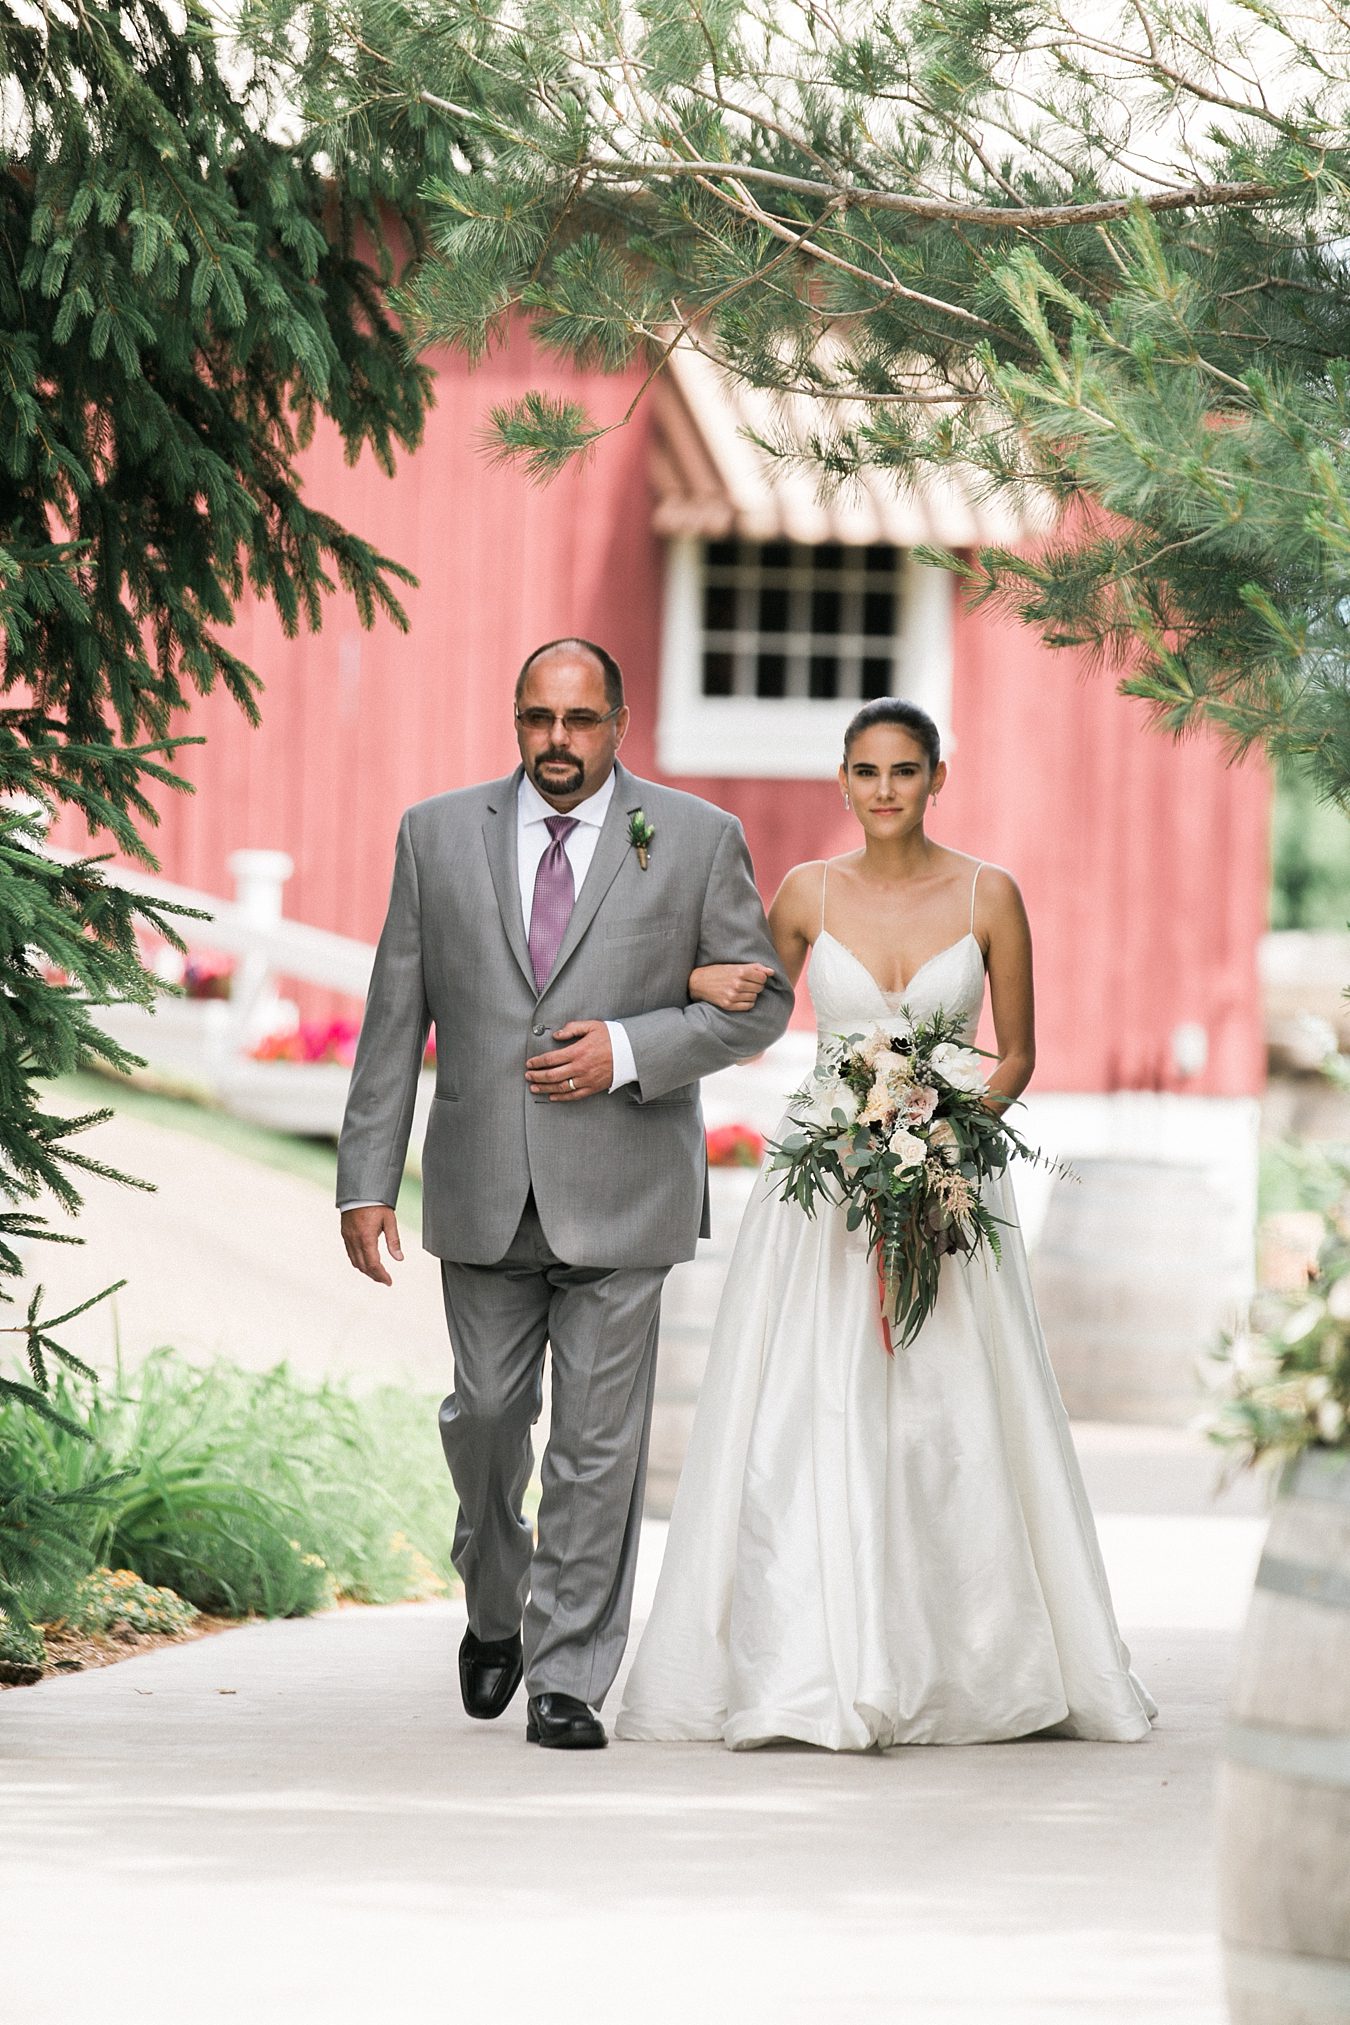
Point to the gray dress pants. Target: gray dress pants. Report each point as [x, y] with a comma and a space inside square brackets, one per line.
[601, 1328]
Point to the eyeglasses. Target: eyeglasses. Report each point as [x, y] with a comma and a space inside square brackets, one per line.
[575, 721]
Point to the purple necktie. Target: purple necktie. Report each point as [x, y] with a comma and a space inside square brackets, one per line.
[554, 895]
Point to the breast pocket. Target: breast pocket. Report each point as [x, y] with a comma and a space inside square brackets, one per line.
[635, 931]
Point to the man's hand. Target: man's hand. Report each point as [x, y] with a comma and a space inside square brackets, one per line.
[732, 987]
[582, 1068]
[362, 1230]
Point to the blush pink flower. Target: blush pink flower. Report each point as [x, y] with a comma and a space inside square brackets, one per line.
[918, 1104]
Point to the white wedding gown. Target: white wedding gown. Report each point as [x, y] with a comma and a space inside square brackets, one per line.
[869, 1550]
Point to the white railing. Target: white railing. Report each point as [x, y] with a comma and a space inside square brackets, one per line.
[253, 929]
[208, 1043]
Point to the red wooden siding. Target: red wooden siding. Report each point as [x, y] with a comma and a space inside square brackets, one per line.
[1143, 863]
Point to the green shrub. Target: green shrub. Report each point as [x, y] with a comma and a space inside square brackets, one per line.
[115, 1596]
[21, 1645]
[244, 1492]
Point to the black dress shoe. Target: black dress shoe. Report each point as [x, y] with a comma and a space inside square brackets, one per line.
[490, 1671]
[562, 1723]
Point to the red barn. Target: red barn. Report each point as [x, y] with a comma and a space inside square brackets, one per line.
[749, 619]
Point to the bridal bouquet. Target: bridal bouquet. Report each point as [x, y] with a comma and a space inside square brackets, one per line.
[896, 1127]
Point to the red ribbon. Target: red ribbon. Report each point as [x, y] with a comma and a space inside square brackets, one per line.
[886, 1342]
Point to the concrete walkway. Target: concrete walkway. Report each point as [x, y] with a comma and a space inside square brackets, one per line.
[233, 1258]
[295, 1824]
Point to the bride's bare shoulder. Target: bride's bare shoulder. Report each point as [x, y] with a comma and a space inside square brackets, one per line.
[998, 897]
[798, 898]
[965, 864]
[995, 880]
[803, 878]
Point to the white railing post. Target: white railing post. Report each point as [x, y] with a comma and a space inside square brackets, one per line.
[255, 1004]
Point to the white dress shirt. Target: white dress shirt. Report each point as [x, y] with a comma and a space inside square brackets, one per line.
[532, 840]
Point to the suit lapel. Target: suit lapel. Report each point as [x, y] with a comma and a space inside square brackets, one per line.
[612, 847]
[499, 835]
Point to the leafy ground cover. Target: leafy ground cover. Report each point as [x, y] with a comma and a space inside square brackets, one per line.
[169, 1490]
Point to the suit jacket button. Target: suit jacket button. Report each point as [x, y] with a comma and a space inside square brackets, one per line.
[538, 1030]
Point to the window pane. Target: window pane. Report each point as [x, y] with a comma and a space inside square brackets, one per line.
[719, 608]
[717, 674]
[776, 555]
[773, 610]
[825, 609]
[824, 675]
[878, 612]
[879, 560]
[724, 553]
[876, 676]
[771, 675]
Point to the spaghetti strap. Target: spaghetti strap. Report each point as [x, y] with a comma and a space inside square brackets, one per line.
[973, 884]
[824, 875]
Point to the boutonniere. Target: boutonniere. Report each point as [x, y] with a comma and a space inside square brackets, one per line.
[640, 834]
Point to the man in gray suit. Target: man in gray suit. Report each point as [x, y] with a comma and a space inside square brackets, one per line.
[548, 924]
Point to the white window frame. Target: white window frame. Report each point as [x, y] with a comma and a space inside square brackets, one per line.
[787, 738]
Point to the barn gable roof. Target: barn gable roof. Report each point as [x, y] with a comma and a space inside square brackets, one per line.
[711, 479]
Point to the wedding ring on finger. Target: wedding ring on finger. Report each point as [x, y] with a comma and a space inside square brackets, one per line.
[571, 1082]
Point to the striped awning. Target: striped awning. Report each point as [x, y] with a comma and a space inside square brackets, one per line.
[711, 480]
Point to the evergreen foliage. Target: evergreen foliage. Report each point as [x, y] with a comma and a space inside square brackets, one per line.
[184, 290]
[1099, 257]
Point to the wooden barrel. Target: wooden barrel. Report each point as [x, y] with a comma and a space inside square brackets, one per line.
[1284, 1791]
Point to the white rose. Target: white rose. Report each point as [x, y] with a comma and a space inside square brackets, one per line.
[962, 1068]
[1331, 1420]
[908, 1147]
[1249, 1356]
[827, 1097]
[877, 1043]
[1302, 1322]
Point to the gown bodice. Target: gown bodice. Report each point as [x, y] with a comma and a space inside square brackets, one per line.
[848, 999]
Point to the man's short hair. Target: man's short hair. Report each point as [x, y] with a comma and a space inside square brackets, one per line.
[608, 666]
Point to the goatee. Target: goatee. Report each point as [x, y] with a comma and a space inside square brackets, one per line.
[556, 786]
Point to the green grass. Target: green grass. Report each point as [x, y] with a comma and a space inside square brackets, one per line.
[245, 1492]
[312, 1160]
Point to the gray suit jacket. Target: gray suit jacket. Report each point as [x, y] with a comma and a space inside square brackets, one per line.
[620, 1179]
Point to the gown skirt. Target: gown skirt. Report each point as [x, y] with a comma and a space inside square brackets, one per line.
[869, 1550]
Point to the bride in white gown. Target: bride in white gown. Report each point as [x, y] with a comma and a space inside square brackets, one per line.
[869, 1550]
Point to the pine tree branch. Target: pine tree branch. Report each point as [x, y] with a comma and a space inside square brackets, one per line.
[1101, 211]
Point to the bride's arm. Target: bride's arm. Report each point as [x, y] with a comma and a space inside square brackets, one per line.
[794, 917]
[1006, 934]
[736, 986]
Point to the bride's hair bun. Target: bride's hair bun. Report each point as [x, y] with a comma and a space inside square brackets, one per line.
[905, 716]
